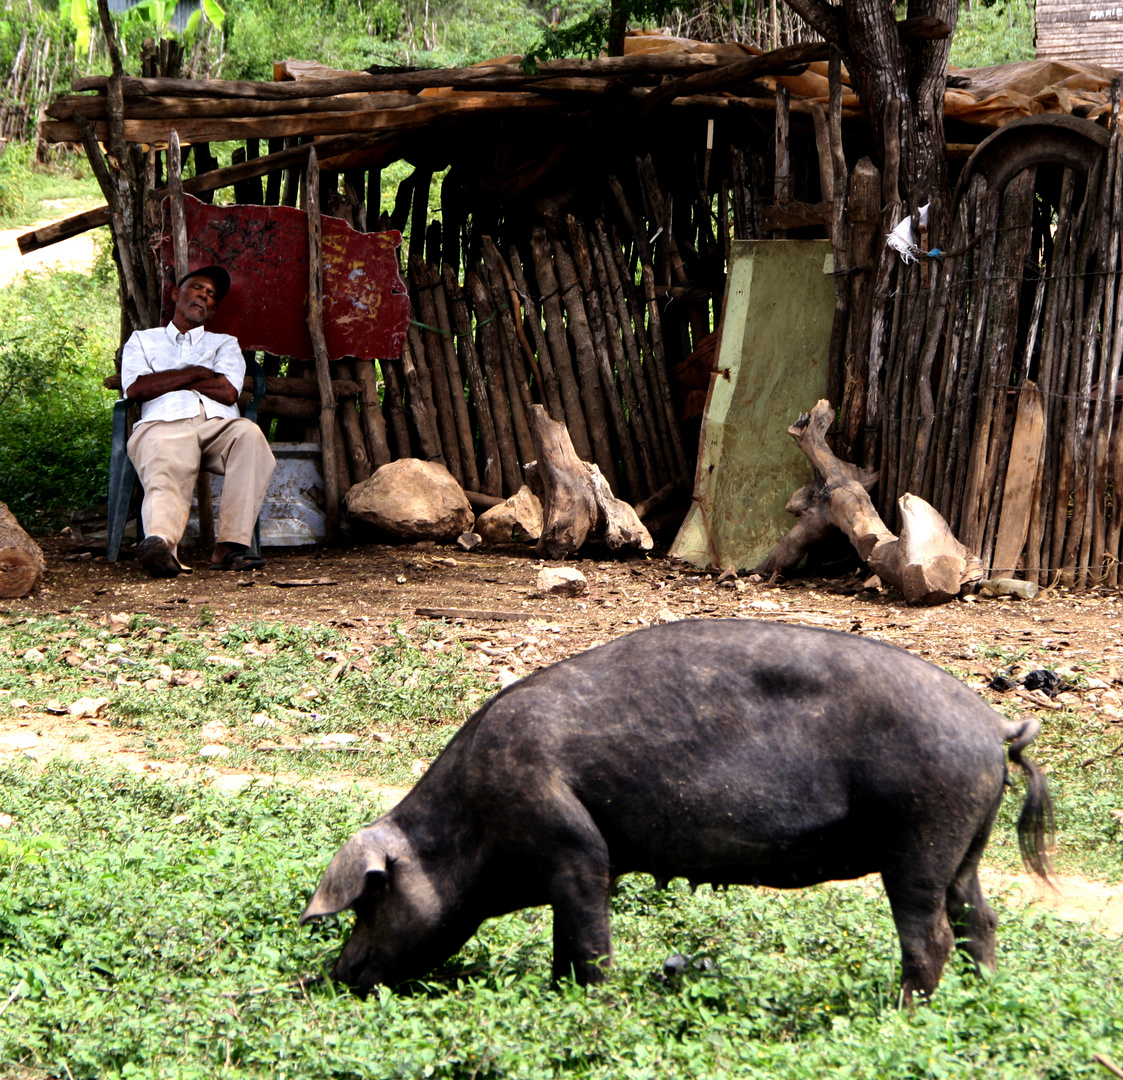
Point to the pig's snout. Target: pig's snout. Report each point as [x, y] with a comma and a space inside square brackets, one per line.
[357, 967]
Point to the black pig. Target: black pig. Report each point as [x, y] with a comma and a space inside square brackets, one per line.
[731, 752]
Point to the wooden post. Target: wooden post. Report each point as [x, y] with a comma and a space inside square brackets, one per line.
[477, 386]
[782, 185]
[419, 396]
[374, 423]
[355, 448]
[585, 349]
[428, 351]
[320, 348]
[392, 405]
[551, 391]
[178, 215]
[559, 344]
[496, 383]
[839, 232]
[594, 315]
[1022, 482]
[433, 288]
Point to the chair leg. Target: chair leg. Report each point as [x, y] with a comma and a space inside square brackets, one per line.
[122, 479]
[255, 546]
[206, 511]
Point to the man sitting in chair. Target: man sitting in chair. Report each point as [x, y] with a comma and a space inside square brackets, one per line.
[188, 381]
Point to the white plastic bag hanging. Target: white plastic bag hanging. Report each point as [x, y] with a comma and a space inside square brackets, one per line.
[903, 240]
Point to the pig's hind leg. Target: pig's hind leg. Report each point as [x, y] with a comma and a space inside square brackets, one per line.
[972, 919]
[579, 883]
[920, 913]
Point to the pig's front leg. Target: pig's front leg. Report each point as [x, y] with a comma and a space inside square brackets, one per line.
[580, 884]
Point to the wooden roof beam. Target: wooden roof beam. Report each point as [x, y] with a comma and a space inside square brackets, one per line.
[652, 66]
[328, 150]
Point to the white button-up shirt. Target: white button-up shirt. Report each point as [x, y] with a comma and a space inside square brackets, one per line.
[164, 348]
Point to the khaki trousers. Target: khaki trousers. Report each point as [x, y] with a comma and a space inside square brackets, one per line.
[168, 456]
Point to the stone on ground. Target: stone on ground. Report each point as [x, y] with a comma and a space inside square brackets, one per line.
[410, 499]
[516, 520]
[561, 581]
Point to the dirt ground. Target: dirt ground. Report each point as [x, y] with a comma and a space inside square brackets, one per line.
[360, 590]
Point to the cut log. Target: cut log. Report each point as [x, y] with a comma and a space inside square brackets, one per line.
[577, 503]
[21, 561]
[925, 563]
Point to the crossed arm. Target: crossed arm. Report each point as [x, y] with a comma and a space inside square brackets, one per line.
[217, 387]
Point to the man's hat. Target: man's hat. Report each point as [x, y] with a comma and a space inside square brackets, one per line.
[219, 276]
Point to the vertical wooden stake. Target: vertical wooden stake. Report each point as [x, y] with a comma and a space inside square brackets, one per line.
[839, 232]
[175, 198]
[782, 185]
[320, 348]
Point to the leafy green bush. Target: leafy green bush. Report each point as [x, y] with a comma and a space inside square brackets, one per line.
[57, 339]
[999, 33]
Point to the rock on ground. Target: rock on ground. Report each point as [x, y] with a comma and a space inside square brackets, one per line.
[561, 581]
[516, 520]
[412, 499]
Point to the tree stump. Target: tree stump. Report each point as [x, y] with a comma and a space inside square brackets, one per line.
[21, 561]
[577, 503]
[925, 563]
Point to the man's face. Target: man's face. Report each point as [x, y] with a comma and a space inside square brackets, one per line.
[195, 301]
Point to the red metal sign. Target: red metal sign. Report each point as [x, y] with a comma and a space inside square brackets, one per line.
[265, 251]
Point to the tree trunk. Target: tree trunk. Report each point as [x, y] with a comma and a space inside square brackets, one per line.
[903, 62]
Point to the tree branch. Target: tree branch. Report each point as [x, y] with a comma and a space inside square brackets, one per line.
[821, 17]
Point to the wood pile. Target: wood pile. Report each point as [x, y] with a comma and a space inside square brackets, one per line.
[359, 112]
[210, 110]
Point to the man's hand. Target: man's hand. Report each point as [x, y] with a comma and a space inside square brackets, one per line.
[202, 379]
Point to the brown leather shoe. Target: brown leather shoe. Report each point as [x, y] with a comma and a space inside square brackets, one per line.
[156, 557]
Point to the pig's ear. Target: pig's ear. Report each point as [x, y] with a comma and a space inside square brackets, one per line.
[359, 863]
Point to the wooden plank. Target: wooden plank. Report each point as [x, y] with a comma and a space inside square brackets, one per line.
[217, 129]
[69, 106]
[474, 613]
[494, 76]
[316, 332]
[280, 386]
[175, 206]
[795, 215]
[790, 60]
[1023, 478]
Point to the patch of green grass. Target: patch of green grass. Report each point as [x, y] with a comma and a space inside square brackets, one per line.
[149, 929]
[58, 334]
[272, 686]
[31, 192]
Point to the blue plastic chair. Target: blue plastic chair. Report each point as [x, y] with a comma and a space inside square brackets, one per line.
[122, 475]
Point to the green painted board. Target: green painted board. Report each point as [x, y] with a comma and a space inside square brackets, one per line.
[772, 366]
